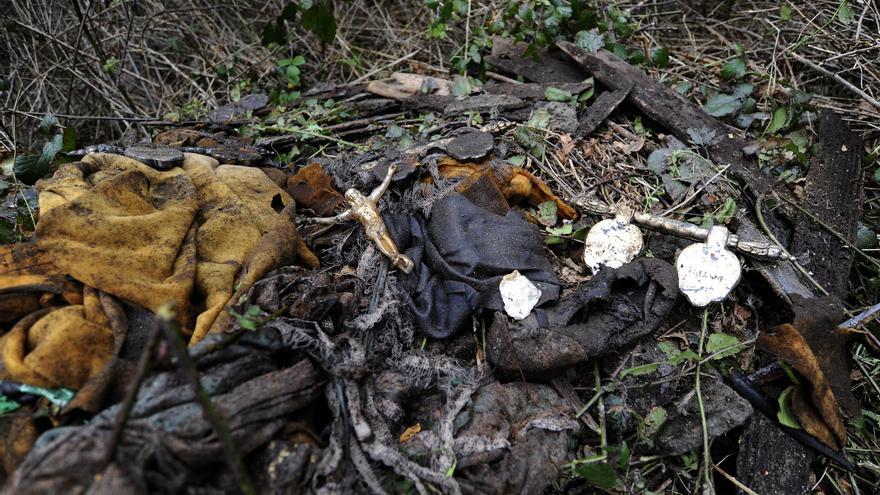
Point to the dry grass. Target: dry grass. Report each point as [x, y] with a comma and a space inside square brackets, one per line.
[176, 54]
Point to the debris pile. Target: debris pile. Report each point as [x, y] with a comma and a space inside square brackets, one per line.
[483, 301]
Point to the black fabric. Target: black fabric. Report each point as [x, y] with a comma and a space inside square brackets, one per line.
[614, 309]
[460, 255]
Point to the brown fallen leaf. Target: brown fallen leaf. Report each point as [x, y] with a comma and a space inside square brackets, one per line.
[312, 188]
[517, 184]
[811, 345]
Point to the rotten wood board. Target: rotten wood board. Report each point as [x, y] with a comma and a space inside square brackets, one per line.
[832, 193]
[596, 113]
[553, 67]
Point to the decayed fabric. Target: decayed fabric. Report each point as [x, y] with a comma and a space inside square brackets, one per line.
[167, 442]
[613, 309]
[471, 241]
[109, 224]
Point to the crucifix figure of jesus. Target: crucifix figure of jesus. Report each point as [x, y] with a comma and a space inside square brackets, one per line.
[364, 210]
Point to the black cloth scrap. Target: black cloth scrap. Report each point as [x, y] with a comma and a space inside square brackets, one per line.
[460, 256]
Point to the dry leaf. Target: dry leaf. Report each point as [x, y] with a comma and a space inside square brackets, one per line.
[410, 432]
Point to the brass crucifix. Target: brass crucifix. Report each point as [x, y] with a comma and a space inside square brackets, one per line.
[364, 210]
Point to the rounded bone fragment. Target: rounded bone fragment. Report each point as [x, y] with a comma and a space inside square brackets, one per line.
[519, 295]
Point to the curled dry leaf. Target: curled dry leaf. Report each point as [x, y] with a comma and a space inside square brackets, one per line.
[816, 348]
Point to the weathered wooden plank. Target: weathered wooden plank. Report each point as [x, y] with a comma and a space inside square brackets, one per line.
[596, 113]
[832, 193]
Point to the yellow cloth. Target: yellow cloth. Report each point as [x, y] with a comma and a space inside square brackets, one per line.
[187, 236]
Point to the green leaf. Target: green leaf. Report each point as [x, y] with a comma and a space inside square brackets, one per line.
[319, 19]
[654, 420]
[68, 139]
[461, 86]
[865, 237]
[598, 474]
[47, 124]
[642, 369]
[437, 30]
[637, 57]
[683, 356]
[720, 104]
[784, 415]
[565, 229]
[845, 13]
[273, 32]
[734, 69]
[7, 404]
[723, 344]
[520, 160]
[110, 65]
[547, 213]
[619, 51]
[785, 12]
[660, 57]
[556, 94]
[394, 131]
[540, 118]
[727, 211]
[590, 41]
[777, 122]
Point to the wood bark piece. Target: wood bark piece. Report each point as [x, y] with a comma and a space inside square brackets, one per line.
[552, 68]
[832, 193]
[596, 113]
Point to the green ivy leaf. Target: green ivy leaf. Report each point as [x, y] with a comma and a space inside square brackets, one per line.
[724, 345]
[590, 41]
[565, 229]
[598, 474]
[660, 57]
[785, 12]
[556, 94]
[784, 415]
[777, 122]
[637, 57]
[547, 213]
[865, 237]
[461, 86]
[845, 13]
[734, 69]
[654, 420]
[720, 104]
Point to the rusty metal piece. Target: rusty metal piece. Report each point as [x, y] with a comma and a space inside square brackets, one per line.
[758, 250]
